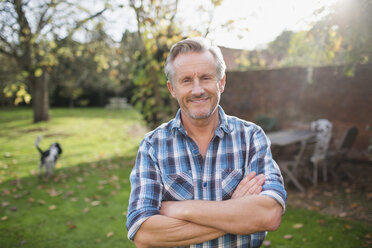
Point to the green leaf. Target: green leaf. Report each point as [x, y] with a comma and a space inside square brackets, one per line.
[38, 72]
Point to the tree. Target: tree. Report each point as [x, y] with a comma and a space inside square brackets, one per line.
[342, 37]
[346, 33]
[31, 35]
[156, 32]
[88, 72]
[157, 29]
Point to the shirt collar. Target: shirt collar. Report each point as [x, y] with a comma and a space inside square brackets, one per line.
[223, 125]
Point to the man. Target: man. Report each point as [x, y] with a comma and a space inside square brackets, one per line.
[204, 179]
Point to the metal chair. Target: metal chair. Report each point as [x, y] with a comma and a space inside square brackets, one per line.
[339, 155]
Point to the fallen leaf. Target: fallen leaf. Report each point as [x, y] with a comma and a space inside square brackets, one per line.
[266, 243]
[343, 214]
[52, 207]
[69, 193]
[369, 196]
[4, 218]
[100, 187]
[4, 204]
[347, 226]
[330, 238]
[7, 155]
[6, 192]
[74, 199]
[80, 179]
[326, 193]
[71, 226]
[354, 205]
[86, 199]
[321, 222]
[298, 225]
[41, 202]
[54, 193]
[109, 234]
[30, 200]
[95, 203]
[23, 242]
[288, 236]
[368, 236]
[13, 209]
[98, 240]
[18, 196]
[86, 210]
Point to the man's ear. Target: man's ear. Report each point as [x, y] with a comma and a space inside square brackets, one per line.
[171, 89]
[223, 83]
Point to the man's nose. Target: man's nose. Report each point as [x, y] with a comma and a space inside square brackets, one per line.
[197, 88]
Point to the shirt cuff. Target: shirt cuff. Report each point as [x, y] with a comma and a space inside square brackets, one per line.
[275, 196]
[136, 224]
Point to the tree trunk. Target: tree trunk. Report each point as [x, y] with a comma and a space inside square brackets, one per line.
[40, 100]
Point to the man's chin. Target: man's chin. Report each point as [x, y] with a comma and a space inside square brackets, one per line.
[200, 115]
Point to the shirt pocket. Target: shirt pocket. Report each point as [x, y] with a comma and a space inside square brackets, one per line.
[230, 178]
[178, 187]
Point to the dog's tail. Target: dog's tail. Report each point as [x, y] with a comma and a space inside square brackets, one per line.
[37, 140]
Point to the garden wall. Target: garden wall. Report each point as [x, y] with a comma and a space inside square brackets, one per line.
[297, 96]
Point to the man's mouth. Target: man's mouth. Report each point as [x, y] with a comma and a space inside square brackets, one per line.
[198, 100]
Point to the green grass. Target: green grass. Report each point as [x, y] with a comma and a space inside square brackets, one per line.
[84, 205]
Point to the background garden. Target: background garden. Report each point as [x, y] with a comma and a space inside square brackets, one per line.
[59, 68]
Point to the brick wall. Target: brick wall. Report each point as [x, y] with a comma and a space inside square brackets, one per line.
[297, 96]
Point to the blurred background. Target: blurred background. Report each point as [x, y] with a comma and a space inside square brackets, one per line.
[89, 74]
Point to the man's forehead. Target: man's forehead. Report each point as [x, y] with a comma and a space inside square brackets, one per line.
[194, 62]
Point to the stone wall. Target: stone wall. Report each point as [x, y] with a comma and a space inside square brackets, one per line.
[297, 96]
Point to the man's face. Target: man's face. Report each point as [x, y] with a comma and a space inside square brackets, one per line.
[196, 85]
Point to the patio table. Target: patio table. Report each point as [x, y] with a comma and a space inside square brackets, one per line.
[286, 137]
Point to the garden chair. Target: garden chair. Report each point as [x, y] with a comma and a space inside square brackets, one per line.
[323, 129]
[340, 154]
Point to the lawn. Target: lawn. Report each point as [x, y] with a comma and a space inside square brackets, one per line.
[84, 205]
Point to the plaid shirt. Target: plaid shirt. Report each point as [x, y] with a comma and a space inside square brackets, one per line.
[169, 167]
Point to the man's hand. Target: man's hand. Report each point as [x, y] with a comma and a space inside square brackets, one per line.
[250, 185]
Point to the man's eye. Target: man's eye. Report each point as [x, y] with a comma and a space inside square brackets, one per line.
[186, 80]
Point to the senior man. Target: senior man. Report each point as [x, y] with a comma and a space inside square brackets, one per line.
[204, 179]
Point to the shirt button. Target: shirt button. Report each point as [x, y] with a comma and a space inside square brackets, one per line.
[205, 184]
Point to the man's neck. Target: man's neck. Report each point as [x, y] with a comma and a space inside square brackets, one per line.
[201, 130]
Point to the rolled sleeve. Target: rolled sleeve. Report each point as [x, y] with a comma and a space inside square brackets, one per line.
[146, 190]
[263, 163]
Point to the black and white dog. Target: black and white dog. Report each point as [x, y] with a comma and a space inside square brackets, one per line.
[49, 157]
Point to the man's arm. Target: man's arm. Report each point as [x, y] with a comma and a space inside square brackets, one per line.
[244, 215]
[165, 231]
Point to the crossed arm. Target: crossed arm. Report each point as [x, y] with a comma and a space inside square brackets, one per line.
[188, 222]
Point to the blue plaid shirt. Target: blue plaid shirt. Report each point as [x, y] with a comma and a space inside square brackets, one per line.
[170, 167]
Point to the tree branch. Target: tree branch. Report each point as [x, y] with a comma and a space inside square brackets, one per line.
[82, 22]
